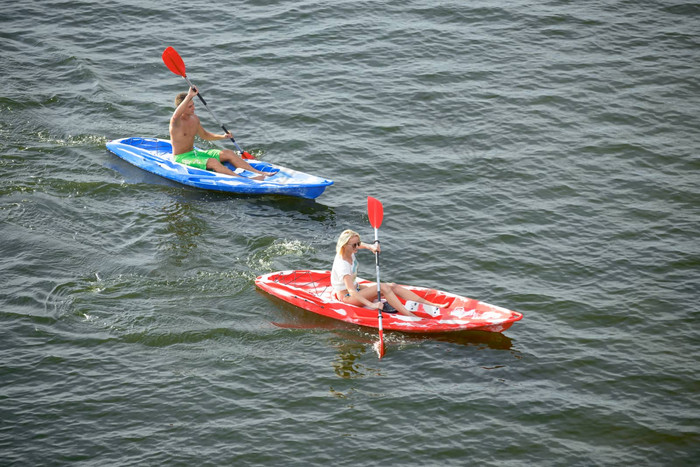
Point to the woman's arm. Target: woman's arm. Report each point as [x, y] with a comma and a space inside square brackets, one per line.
[375, 248]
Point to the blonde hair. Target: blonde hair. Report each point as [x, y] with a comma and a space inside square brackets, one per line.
[344, 238]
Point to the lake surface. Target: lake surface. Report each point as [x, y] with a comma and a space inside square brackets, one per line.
[540, 156]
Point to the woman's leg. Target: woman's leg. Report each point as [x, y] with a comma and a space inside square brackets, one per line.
[393, 300]
[409, 295]
[369, 292]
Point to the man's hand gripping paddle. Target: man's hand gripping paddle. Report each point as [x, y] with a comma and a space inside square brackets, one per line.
[375, 211]
[175, 64]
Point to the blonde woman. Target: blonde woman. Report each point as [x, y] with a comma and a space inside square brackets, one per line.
[344, 278]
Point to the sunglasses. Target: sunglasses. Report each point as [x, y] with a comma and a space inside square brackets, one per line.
[355, 245]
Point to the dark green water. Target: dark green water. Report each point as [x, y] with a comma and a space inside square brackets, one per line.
[539, 156]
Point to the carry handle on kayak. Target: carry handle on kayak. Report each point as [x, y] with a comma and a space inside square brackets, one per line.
[175, 64]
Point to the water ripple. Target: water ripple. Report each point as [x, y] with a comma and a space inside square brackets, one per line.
[540, 157]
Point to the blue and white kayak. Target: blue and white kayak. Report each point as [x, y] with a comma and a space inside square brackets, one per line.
[155, 156]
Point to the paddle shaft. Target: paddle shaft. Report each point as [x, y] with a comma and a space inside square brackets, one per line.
[375, 212]
[379, 291]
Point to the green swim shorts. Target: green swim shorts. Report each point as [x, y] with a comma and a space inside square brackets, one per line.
[197, 157]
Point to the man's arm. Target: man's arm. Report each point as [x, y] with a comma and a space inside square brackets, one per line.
[209, 136]
[183, 105]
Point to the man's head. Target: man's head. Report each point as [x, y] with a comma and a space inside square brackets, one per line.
[180, 97]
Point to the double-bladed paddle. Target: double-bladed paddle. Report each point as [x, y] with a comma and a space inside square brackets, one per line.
[175, 64]
[375, 211]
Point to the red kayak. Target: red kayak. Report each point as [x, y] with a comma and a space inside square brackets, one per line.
[312, 291]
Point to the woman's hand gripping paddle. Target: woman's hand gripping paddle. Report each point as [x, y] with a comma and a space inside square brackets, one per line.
[375, 211]
[175, 64]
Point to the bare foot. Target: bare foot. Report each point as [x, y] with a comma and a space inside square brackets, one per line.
[408, 313]
[264, 175]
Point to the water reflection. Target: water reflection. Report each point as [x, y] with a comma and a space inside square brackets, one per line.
[184, 228]
[347, 364]
[353, 343]
[491, 340]
[352, 346]
[135, 175]
[257, 205]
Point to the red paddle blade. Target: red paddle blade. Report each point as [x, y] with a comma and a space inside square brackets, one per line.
[247, 155]
[174, 62]
[375, 211]
[379, 345]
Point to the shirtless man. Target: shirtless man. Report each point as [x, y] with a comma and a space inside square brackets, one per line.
[185, 125]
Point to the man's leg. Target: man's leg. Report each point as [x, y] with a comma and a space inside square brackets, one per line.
[216, 166]
[228, 155]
